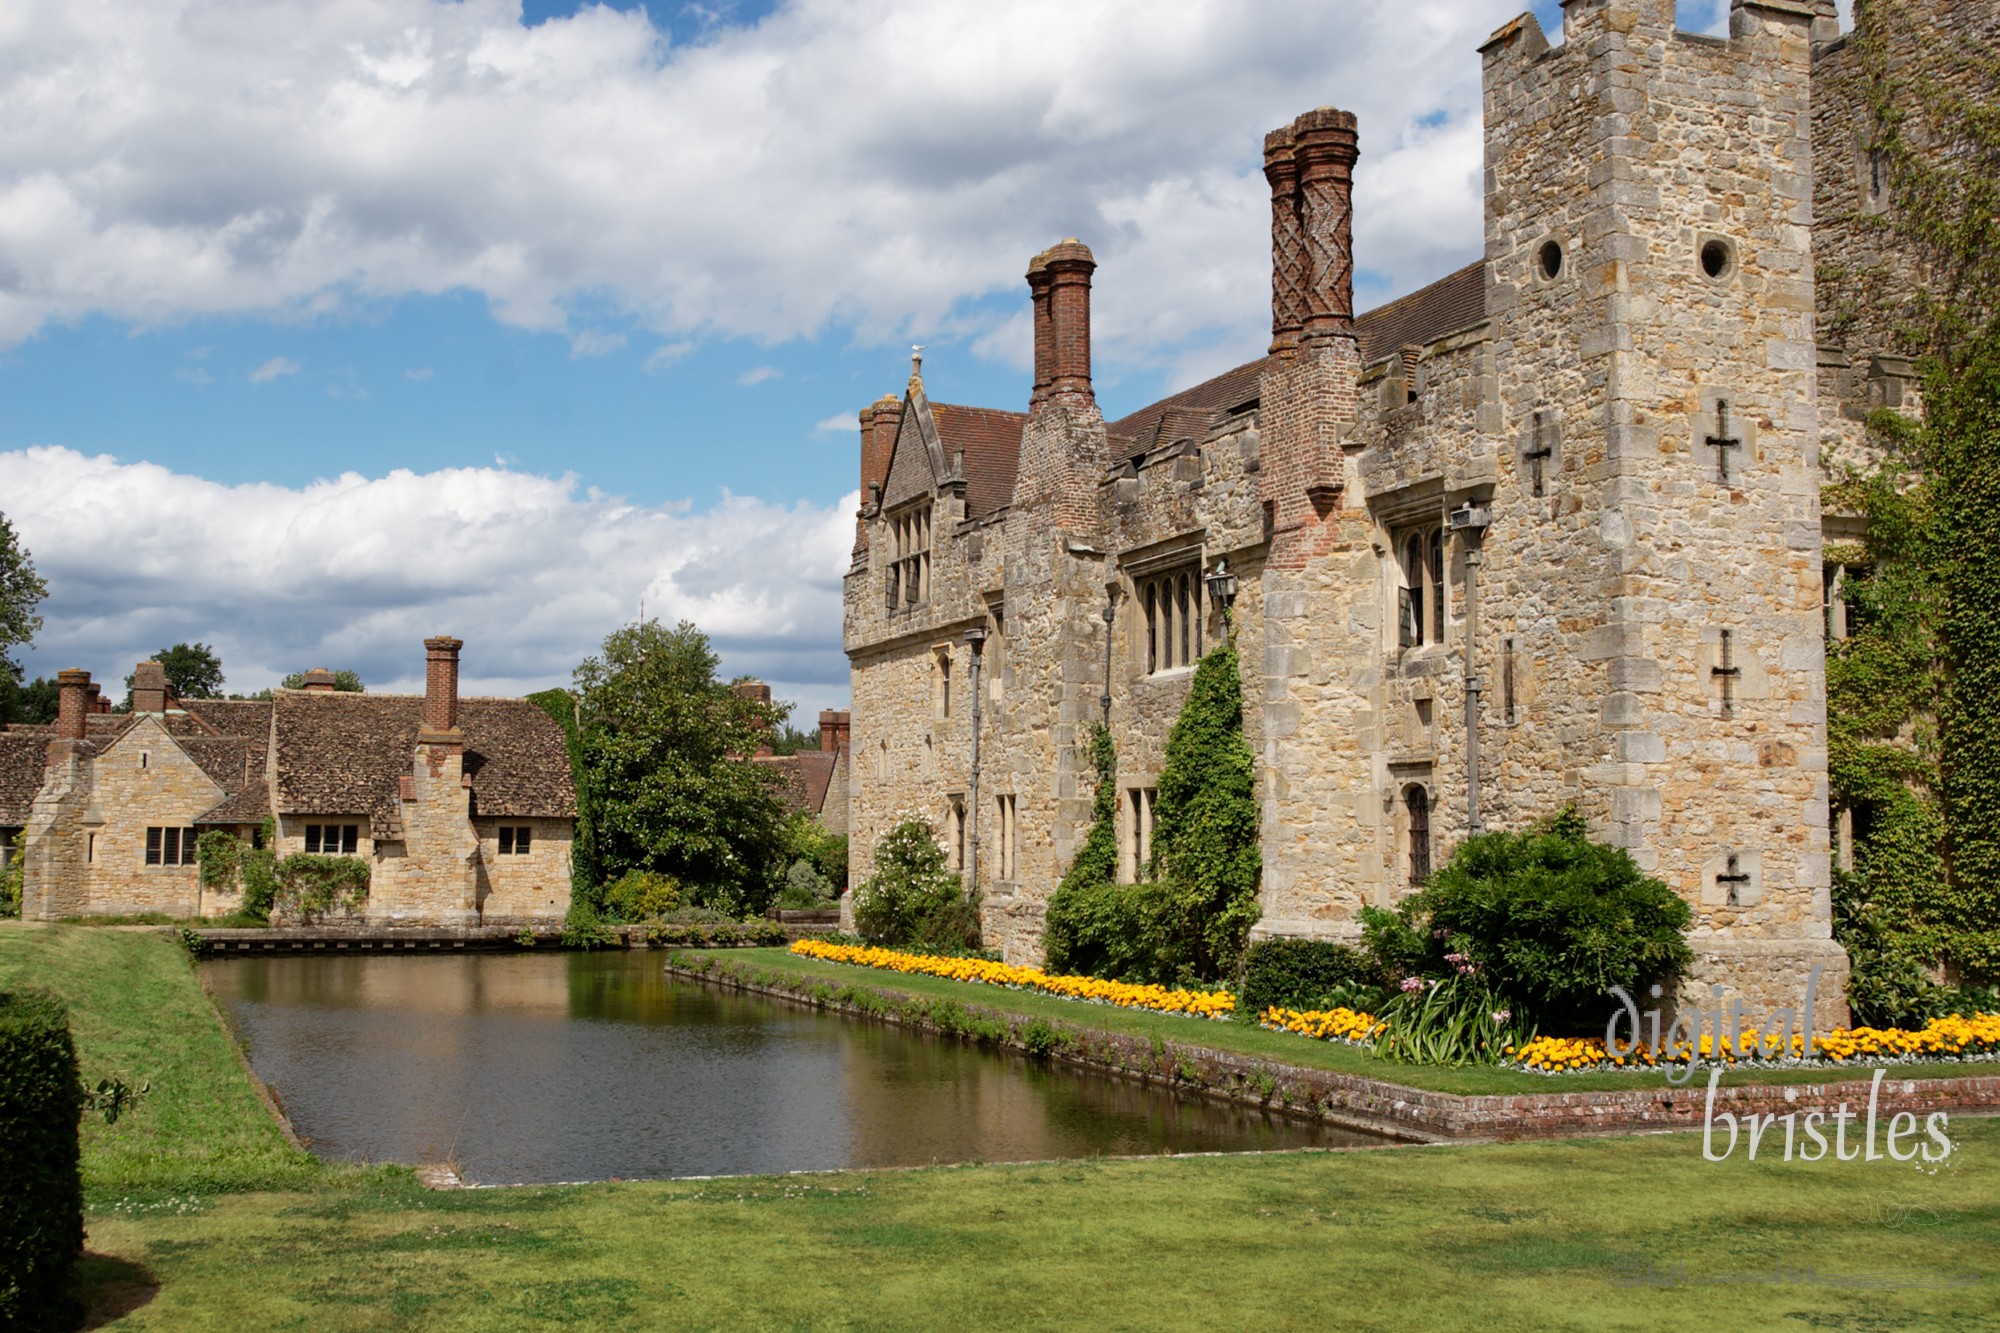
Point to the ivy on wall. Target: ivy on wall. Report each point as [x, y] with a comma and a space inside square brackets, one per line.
[586, 878]
[1912, 719]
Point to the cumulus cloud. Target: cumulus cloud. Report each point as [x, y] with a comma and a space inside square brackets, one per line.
[756, 375]
[872, 165]
[595, 342]
[845, 423]
[353, 572]
[666, 354]
[275, 368]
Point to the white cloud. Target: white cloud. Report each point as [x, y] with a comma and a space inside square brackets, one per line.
[194, 375]
[274, 368]
[756, 375]
[419, 374]
[595, 342]
[844, 423]
[666, 354]
[353, 572]
[864, 164]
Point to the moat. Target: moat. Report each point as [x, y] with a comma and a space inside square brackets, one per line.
[532, 1068]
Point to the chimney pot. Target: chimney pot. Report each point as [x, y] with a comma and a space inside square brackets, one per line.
[441, 683]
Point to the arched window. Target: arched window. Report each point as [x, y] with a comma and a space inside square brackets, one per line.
[1417, 804]
[1420, 615]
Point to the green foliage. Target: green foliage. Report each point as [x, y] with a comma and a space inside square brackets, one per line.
[1548, 920]
[12, 883]
[911, 898]
[344, 682]
[1302, 974]
[229, 865]
[788, 739]
[1449, 1022]
[219, 853]
[1097, 860]
[309, 886]
[1123, 932]
[642, 894]
[41, 1205]
[193, 671]
[32, 703]
[21, 590]
[805, 888]
[583, 928]
[663, 770]
[804, 837]
[1205, 836]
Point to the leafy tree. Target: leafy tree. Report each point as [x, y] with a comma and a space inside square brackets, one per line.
[34, 702]
[193, 672]
[21, 591]
[664, 761]
[788, 739]
[347, 682]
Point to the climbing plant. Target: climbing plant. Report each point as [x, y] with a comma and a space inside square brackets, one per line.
[1913, 727]
[1206, 819]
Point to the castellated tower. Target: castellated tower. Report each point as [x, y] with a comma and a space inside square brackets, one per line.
[1652, 576]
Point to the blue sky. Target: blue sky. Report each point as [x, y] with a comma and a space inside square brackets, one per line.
[310, 309]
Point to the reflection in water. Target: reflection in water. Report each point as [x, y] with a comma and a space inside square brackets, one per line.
[543, 1067]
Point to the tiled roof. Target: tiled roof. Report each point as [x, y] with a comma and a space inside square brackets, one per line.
[805, 776]
[989, 440]
[1451, 303]
[342, 754]
[229, 717]
[235, 764]
[1446, 306]
[22, 756]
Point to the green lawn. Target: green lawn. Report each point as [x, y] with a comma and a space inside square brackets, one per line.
[1247, 1038]
[1612, 1233]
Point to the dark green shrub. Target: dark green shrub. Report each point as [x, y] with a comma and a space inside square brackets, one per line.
[1549, 919]
[640, 895]
[41, 1202]
[805, 888]
[911, 898]
[12, 884]
[1205, 844]
[583, 928]
[310, 886]
[1122, 932]
[1301, 974]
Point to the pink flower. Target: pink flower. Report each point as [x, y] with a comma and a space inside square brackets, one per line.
[1502, 1015]
[1412, 985]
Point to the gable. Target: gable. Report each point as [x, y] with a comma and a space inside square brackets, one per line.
[918, 464]
[146, 772]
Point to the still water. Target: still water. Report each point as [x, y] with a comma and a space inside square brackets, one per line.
[530, 1068]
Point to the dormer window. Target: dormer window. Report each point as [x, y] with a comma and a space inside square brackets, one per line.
[909, 576]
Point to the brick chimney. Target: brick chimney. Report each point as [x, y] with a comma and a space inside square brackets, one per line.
[319, 680]
[880, 421]
[72, 703]
[441, 683]
[1290, 270]
[1059, 287]
[833, 729]
[94, 701]
[1325, 146]
[149, 688]
[757, 692]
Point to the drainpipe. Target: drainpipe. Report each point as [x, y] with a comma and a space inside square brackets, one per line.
[1470, 521]
[1104, 699]
[976, 639]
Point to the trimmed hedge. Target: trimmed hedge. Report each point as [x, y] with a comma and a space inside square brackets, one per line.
[41, 1201]
[1297, 973]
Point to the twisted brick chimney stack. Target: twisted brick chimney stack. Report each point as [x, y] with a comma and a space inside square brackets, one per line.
[441, 684]
[1310, 167]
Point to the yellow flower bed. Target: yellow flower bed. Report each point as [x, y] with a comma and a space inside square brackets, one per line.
[1326, 1024]
[1951, 1037]
[1200, 1004]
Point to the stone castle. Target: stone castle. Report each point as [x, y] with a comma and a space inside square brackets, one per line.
[1545, 531]
[464, 808]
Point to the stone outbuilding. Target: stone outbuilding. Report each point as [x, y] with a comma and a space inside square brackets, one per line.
[1546, 531]
[464, 808]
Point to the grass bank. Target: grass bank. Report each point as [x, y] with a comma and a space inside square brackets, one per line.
[1615, 1233]
[1246, 1038]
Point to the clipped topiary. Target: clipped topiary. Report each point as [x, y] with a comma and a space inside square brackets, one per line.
[41, 1203]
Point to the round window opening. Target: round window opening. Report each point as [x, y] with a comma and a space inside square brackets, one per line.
[1715, 257]
[1552, 259]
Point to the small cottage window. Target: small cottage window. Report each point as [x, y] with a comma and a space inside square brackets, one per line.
[516, 839]
[1420, 591]
[1172, 603]
[1008, 845]
[332, 839]
[169, 846]
[909, 581]
[1417, 807]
